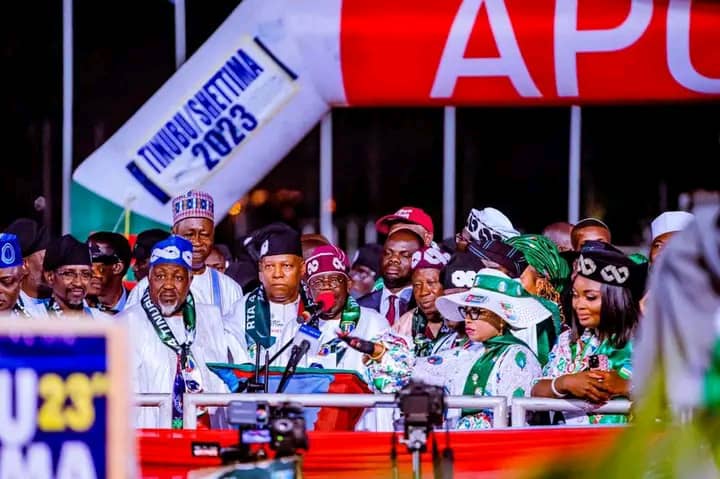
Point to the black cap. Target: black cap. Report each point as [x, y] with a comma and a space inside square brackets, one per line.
[604, 263]
[272, 240]
[32, 235]
[460, 272]
[368, 256]
[146, 240]
[66, 251]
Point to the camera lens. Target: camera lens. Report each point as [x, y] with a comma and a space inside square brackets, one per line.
[282, 426]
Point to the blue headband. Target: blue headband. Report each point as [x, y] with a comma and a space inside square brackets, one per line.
[10, 253]
[173, 250]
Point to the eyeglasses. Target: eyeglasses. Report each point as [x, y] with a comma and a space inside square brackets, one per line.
[473, 313]
[70, 275]
[327, 283]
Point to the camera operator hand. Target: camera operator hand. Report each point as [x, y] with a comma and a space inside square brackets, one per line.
[372, 351]
[583, 385]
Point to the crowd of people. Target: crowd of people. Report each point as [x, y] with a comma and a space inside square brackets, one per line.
[490, 312]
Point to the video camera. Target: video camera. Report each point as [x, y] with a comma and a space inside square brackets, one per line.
[423, 407]
[282, 428]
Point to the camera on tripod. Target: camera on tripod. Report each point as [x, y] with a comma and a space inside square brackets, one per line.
[423, 407]
[281, 428]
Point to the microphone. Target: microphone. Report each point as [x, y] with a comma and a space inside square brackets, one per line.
[306, 340]
[365, 347]
[323, 304]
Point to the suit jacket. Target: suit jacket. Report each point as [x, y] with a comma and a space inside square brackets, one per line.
[372, 301]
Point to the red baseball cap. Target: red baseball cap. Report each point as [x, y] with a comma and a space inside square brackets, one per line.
[406, 214]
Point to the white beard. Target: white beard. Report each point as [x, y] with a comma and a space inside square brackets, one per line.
[168, 309]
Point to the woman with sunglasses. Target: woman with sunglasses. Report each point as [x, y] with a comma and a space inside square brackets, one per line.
[492, 363]
[592, 360]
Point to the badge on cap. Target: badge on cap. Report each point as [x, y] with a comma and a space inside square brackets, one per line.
[10, 254]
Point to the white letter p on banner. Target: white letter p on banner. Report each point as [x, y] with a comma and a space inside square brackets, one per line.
[569, 41]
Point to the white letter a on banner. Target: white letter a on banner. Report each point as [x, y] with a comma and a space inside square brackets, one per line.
[510, 63]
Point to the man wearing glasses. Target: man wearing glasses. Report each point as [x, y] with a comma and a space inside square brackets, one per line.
[327, 271]
[68, 271]
[110, 256]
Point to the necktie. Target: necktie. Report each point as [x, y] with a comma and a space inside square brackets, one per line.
[390, 315]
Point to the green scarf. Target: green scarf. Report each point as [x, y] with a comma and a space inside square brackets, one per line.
[424, 344]
[547, 331]
[348, 322]
[257, 315]
[162, 329]
[476, 382]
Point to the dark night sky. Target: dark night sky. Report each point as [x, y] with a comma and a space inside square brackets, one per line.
[514, 159]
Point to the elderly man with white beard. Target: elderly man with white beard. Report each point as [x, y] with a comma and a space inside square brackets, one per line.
[173, 337]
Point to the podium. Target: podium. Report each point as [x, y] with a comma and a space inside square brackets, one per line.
[306, 381]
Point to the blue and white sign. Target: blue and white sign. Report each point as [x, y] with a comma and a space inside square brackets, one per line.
[237, 106]
[56, 416]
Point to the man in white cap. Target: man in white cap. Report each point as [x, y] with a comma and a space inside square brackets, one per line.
[664, 227]
[193, 219]
[484, 225]
[173, 336]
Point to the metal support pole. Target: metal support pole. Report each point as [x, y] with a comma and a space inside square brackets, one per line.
[67, 122]
[448, 172]
[180, 42]
[574, 173]
[326, 178]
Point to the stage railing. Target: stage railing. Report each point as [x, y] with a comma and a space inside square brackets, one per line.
[161, 401]
[499, 404]
[191, 401]
[520, 406]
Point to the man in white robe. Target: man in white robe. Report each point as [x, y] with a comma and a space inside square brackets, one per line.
[193, 219]
[267, 317]
[173, 337]
[68, 270]
[327, 274]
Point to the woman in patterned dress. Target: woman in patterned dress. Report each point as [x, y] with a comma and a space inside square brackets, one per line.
[492, 363]
[592, 360]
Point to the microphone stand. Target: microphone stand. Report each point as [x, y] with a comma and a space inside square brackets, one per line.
[313, 321]
[297, 353]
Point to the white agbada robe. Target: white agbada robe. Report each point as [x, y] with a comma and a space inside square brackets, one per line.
[34, 307]
[202, 290]
[154, 364]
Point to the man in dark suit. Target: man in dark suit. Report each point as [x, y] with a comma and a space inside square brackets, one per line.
[395, 298]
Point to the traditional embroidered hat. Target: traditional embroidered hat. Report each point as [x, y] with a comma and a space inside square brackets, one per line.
[193, 204]
[429, 257]
[173, 250]
[10, 253]
[66, 251]
[606, 264]
[501, 253]
[496, 292]
[489, 223]
[670, 222]
[326, 259]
